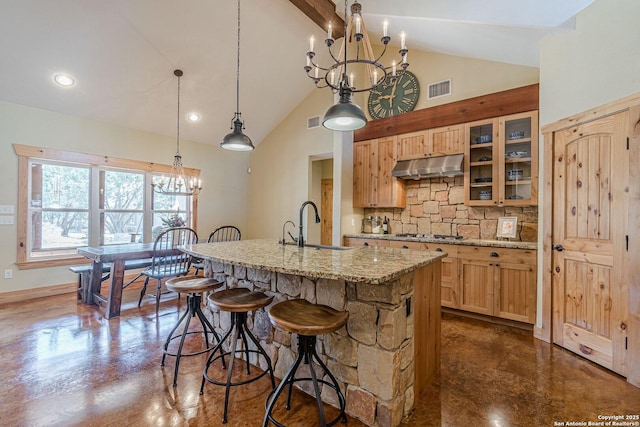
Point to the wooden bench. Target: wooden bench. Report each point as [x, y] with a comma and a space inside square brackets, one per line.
[84, 275]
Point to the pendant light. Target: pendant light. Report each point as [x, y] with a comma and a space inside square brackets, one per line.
[346, 115]
[177, 183]
[237, 140]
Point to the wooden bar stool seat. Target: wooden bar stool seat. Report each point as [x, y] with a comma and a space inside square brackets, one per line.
[194, 287]
[307, 320]
[237, 301]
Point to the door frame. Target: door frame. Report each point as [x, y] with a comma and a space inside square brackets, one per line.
[543, 330]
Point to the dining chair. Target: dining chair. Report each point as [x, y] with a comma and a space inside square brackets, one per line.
[166, 261]
[226, 233]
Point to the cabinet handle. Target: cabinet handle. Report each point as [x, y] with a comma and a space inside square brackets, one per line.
[494, 254]
[438, 249]
[490, 264]
[558, 248]
[497, 265]
[365, 244]
[405, 247]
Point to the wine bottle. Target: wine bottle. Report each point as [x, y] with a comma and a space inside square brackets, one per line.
[385, 226]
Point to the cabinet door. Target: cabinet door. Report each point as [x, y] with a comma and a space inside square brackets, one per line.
[518, 168]
[449, 282]
[445, 141]
[389, 191]
[412, 145]
[365, 165]
[515, 292]
[476, 286]
[481, 163]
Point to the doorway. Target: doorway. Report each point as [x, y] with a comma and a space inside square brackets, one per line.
[321, 192]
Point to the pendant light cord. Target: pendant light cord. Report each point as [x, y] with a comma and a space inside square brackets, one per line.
[238, 67]
[178, 122]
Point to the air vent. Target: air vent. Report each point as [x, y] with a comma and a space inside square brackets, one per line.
[438, 89]
[313, 122]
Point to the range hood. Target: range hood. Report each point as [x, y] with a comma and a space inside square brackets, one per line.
[429, 167]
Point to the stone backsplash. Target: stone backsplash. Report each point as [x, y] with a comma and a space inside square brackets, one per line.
[436, 206]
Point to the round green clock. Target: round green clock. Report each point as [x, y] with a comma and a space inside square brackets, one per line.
[391, 99]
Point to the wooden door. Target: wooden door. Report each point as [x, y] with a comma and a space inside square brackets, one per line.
[326, 212]
[446, 140]
[476, 286]
[589, 289]
[365, 164]
[412, 145]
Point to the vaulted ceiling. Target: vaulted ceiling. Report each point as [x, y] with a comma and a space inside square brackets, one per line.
[122, 53]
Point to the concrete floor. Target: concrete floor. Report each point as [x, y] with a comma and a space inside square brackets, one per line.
[64, 365]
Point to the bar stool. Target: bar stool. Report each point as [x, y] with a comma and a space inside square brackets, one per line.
[194, 287]
[307, 320]
[237, 301]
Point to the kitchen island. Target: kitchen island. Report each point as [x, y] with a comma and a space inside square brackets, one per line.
[390, 348]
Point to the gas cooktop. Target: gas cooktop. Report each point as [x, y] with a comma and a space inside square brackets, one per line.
[430, 236]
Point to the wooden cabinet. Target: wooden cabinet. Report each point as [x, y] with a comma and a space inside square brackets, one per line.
[430, 143]
[501, 162]
[498, 282]
[373, 185]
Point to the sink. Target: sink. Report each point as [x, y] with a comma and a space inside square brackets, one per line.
[311, 245]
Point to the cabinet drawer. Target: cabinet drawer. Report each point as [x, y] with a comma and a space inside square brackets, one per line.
[358, 242]
[451, 250]
[519, 256]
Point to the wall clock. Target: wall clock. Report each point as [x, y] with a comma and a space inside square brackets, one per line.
[391, 99]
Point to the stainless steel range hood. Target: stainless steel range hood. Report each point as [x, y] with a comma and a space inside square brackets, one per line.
[429, 167]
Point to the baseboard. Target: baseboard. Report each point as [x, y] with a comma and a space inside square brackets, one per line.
[45, 291]
[490, 319]
[33, 293]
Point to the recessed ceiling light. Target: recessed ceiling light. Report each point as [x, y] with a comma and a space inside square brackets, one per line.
[193, 117]
[63, 80]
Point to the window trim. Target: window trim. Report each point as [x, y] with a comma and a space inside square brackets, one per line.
[27, 152]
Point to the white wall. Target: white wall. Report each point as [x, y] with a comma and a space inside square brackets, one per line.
[597, 63]
[223, 199]
[281, 169]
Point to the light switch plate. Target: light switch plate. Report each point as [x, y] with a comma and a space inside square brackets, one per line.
[6, 219]
[7, 209]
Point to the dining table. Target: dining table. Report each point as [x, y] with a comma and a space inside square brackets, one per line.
[116, 255]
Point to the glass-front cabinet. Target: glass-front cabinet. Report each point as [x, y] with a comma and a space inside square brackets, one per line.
[501, 162]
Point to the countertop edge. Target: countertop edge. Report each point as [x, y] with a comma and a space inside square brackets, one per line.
[434, 256]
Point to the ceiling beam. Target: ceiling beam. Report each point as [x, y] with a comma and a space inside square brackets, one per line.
[322, 12]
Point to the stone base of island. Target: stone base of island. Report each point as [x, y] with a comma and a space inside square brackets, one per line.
[389, 349]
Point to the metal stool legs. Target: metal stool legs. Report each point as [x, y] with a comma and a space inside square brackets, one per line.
[238, 330]
[306, 352]
[194, 310]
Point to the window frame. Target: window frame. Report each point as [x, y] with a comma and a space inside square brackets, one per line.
[27, 153]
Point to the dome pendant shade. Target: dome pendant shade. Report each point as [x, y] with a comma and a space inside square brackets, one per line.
[345, 115]
[236, 140]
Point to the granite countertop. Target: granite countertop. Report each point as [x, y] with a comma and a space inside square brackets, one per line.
[466, 242]
[370, 265]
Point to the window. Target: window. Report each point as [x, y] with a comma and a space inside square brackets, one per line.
[73, 200]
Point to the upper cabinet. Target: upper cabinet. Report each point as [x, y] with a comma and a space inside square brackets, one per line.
[373, 185]
[501, 162]
[430, 143]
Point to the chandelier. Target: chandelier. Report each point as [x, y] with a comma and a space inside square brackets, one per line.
[178, 183]
[237, 140]
[346, 115]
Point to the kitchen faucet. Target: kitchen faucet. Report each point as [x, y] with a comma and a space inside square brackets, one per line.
[315, 208]
[284, 226]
